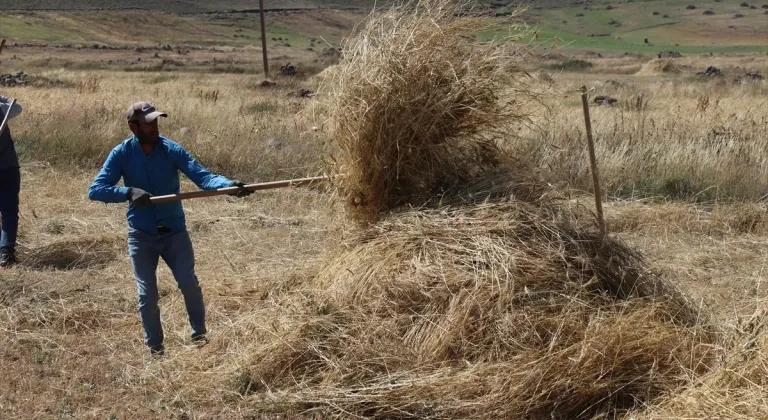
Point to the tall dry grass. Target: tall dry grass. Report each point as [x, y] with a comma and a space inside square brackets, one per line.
[683, 139]
[736, 389]
[226, 121]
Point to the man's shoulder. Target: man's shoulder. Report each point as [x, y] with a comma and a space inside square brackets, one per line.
[170, 143]
[122, 146]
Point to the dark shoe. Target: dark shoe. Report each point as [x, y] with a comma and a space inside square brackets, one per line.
[7, 260]
[200, 340]
[158, 351]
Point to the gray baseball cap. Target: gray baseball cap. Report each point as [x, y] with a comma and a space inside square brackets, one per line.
[144, 112]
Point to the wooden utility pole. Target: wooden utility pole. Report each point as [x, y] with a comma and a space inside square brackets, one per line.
[2, 44]
[264, 38]
[593, 161]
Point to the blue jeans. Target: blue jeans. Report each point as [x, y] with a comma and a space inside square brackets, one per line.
[10, 185]
[175, 248]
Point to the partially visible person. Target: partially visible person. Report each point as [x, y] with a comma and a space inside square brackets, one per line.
[10, 186]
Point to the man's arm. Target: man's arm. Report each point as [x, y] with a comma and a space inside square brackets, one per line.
[200, 175]
[103, 187]
[7, 109]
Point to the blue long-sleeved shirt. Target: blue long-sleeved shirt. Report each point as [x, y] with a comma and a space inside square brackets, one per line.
[157, 174]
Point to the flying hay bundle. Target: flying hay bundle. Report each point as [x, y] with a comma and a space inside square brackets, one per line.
[418, 104]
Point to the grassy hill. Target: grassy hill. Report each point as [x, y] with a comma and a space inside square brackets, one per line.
[139, 28]
[630, 26]
[655, 25]
[176, 6]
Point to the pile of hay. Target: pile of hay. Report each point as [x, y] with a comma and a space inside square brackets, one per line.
[490, 301]
[75, 253]
[416, 105]
[736, 389]
[502, 310]
[327, 73]
[658, 66]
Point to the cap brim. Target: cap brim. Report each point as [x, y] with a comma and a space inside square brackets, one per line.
[153, 116]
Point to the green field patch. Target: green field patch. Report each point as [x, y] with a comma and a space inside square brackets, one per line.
[554, 39]
[648, 27]
[30, 28]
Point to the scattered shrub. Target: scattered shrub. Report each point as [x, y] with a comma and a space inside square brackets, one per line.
[572, 65]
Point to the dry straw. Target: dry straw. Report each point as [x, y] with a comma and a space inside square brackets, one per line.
[490, 302]
[736, 389]
[75, 253]
[503, 310]
[658, 66]
[417, 104]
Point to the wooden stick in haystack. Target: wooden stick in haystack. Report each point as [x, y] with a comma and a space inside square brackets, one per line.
[593, 162]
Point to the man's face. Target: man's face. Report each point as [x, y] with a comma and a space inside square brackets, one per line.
[148, 133]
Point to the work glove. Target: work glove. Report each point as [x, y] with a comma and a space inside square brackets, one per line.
[242, 193]
[139, 198]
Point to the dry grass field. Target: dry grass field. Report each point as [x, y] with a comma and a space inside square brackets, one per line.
[684, 171]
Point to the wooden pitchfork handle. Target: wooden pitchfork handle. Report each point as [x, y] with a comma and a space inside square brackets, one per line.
[231, 190]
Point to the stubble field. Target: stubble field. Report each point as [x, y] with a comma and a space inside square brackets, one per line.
[684, 170]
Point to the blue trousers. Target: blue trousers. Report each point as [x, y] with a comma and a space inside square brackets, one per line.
[175, 248]
[10, 185]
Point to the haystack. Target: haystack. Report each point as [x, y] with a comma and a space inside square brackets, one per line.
[416, 105]
[736, 388]
[658, 66]
[474, 294]
[75, 253]
[499, 310]
[327, 73]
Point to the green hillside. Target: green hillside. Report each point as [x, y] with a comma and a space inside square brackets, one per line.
[176, 6]
[628, 25]
[651, 26]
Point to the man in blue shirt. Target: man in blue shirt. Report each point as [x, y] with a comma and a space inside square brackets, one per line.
[10, 186]
[149, 164]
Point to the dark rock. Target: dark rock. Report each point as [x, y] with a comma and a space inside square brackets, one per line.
[669, 54]
[302, 93]
[605, 100]
[751, 76]
[288, 70]
[711, 71]
[14, 79]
